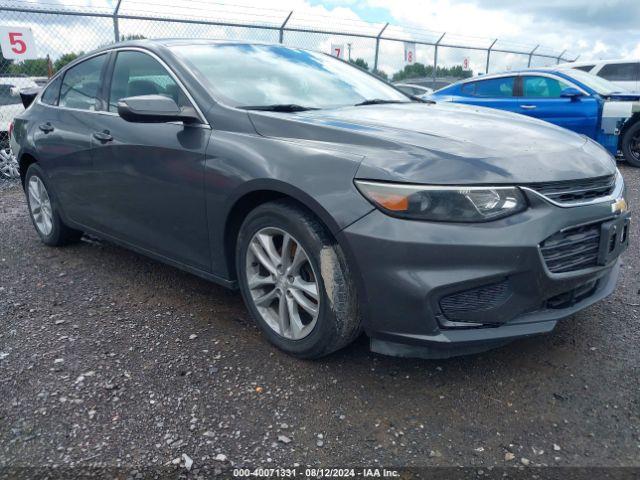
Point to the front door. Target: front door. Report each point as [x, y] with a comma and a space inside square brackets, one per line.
[149, 176]
[541, 98]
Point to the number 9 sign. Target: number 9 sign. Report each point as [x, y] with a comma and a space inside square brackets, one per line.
[17, 43]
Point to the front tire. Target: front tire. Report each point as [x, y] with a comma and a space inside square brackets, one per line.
[44, 210]
[295, 281]
[631, 145]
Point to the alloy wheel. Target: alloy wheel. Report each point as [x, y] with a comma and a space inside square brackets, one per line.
[8, 165]
[634, 146]
[40, 205]
[283, 284]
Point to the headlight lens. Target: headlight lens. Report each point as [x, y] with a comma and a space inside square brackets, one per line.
[444, 204]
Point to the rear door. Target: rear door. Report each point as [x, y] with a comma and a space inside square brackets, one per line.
[541, 98]
[71, 109]
[492, 93]
[148, 177]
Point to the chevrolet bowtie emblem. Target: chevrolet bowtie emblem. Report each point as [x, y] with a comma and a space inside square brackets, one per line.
[619, 206]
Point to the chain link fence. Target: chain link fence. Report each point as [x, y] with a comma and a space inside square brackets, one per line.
[66, 29]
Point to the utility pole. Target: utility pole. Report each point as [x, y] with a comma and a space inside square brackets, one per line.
[435, 62]
[486, 70]
[531, 55]
[283, 25]
[375, 59]
[349, 50]
[559, 59]
[116, 27]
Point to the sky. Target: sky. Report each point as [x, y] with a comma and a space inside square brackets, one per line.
[593, 29]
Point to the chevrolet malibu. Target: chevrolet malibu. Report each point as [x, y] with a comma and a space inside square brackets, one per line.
[334, 202]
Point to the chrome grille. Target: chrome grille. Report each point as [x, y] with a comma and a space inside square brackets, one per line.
[575, 190]
[572, 249]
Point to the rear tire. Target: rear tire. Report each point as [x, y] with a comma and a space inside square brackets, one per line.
[631, 145]
[312, 259]
[44, 210]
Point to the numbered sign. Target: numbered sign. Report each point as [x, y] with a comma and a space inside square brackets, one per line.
[409, 52]
[17, 43]
[337, 50]
[465, 64]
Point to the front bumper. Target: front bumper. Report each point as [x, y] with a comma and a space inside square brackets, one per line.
[404, 270]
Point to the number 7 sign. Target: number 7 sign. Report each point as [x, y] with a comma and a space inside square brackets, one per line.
[337, 50]
[17, 43]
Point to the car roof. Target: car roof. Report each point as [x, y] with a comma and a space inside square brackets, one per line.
[508, 73]
[168, 42]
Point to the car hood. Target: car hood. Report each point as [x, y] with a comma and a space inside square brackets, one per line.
[624, 96]
[444, 143]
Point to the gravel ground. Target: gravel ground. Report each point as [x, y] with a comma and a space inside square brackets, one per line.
[108, 358]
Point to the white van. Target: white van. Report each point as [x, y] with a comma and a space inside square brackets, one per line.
[624, 73]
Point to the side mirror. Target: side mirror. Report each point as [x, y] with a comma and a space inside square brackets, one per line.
[154, 109]
[573, 93]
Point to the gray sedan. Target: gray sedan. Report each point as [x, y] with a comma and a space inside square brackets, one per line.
[334, 202]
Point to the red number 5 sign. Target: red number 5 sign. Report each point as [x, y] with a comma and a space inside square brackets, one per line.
[17, 43]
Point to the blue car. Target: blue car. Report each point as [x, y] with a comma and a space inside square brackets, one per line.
[569, 98]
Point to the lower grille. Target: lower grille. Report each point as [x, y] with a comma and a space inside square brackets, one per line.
[570, 298]
[457, 305]
[572, 249]
[576, 190]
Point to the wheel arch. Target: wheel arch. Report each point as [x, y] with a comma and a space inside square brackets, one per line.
[256, 193]
[635, 118]
[25, 160]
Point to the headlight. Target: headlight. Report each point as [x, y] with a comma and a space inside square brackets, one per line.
[442, 203]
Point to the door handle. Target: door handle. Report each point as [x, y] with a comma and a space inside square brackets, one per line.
[103, 136]
[46, 127]
[528, 107]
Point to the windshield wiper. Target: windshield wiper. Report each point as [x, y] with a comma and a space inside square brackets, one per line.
[279, 107]
[377, 101]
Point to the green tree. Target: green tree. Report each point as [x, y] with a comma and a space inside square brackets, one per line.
[132, 36]
[5, 64]
[66, 58]
[382, 74]
[359, 62]
[419, 70]
[31, 68]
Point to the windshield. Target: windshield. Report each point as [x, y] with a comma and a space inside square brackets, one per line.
[245, 75]
[599, 84]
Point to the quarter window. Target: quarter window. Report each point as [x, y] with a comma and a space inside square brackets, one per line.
[136, 73]
[81, 84]
[52, 92]
[542, 87]
[620, 72]
[495, 87]
[584, 68]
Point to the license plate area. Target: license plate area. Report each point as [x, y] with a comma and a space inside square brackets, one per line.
[614, 239]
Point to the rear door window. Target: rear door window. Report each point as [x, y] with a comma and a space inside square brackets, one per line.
[495, 87]
[619, 72]
[542, 87]
[81, 85]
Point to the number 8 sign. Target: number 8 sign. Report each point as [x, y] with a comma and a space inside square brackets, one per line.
[17, 43]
